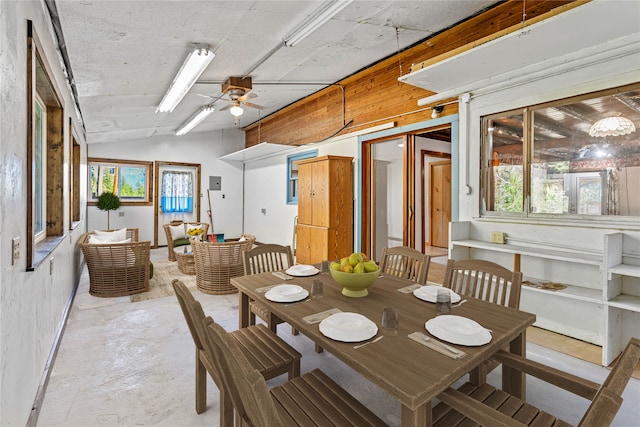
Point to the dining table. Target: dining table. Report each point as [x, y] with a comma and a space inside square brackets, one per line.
[411, 372]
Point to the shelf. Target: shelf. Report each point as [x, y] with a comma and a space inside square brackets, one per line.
[524, 49]
[558, 255]
[256, 152]
[572, 292]
[626, 270]
[626, 302]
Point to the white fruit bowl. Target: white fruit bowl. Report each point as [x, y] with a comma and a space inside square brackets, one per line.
[355, 284]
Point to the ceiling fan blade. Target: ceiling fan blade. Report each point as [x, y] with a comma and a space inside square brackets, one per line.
[252, 105]
[249, 95]
[226, 107]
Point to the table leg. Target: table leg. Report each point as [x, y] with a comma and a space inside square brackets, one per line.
[419, 417]
[243, 310]
[513, 380]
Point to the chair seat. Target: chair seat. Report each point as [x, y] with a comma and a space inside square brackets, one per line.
[266, 352]
[315, 399]
[259, 310]
[497, 399]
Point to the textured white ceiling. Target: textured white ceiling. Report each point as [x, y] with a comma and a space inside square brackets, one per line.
[124, 54]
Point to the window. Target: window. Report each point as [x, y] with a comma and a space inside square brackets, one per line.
[39, 170]
[74, 179]
[542, 161]
[177, 191]
[46, 156]
[129, 180]
[292, 174]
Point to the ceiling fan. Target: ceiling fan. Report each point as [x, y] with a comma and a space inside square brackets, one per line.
[238, 92]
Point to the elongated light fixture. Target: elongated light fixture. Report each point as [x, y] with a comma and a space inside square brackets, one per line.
[196, 62]
[195, 120]
[315, 21]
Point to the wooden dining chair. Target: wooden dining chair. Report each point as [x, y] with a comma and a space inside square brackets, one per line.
[310, 399]
[487, 281]
[406, 263]
[484, 280]
[261, 259]
[266, 352]
[488, 406]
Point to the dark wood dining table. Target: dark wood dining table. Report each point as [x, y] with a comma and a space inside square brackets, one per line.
[410, 372]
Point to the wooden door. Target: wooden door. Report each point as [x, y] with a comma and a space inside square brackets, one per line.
[305, 193]
[440, 203]
[312, 244]
[321, 193]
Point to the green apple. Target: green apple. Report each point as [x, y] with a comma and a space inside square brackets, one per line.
[370, 266]
[346, 268]
[359, 268]
[354, 259]
[335, 265]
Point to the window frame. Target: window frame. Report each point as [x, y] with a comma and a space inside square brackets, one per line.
[486, 166]
[39, 169]
[40, 84]
[147, 200]
[291, 159]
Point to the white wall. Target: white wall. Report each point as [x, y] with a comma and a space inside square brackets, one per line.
[266, 188]
[203, 148]
[32, 303]
[567, 316]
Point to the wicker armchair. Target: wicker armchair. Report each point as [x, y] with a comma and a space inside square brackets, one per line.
[216, 263]
[117, 269]
[171, 243]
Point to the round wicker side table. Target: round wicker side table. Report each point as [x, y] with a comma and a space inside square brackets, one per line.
[186, 261]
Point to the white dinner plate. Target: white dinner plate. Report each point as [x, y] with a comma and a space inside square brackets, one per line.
[302, 270]
[348, 327]
[429, 293]
[286, 293]
[458, 330]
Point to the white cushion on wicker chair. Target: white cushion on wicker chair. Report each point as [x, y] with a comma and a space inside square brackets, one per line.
[99, 240]
[177, 232]
[111, 236]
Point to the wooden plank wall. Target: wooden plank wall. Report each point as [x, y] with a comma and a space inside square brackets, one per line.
[375, 96]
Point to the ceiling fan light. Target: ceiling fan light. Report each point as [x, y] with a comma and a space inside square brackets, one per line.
[236, 111]
[195, 64]
[195, 120]
[612, 126]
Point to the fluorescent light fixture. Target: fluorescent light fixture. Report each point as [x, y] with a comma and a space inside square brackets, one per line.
[196, 62]
[315, 21]
[236, 111]
[195, 120]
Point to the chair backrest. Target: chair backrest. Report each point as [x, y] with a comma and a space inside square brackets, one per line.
[485, 280]
[266, 258]
[243, 383]
[406, 263]
[608, 399]
[193, 317]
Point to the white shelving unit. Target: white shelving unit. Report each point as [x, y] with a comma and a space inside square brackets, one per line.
[616, 301]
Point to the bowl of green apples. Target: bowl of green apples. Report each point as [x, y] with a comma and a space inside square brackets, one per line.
[355, 273]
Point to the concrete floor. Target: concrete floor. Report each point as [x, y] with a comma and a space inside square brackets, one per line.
[132, 364]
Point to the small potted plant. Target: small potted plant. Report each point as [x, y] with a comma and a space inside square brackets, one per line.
[108, 202]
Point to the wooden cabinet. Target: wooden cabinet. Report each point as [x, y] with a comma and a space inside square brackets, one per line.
[325, 209]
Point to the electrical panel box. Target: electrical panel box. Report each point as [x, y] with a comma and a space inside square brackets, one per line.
[215, 183]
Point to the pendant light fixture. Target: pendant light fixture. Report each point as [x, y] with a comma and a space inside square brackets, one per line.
[612, 126]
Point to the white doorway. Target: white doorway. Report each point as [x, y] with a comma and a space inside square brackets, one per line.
[177, 196]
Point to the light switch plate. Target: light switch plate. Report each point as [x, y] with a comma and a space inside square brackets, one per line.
[497, 237]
